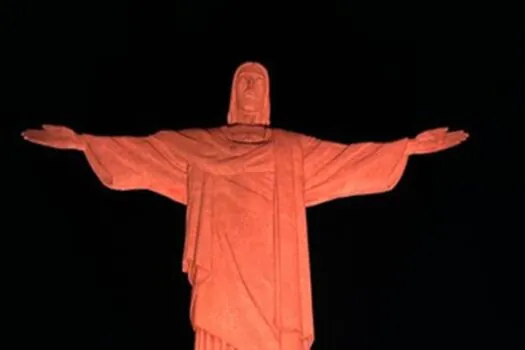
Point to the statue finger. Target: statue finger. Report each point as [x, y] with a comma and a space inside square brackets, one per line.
[439, 131]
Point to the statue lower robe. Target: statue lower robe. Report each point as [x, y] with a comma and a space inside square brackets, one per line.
[246, 249]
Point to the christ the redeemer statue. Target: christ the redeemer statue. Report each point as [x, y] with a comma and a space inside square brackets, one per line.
[246, 187]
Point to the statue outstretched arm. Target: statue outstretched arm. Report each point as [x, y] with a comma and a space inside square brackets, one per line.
[333, 170]
[125, 162]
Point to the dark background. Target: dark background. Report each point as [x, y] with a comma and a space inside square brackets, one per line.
[435, 264]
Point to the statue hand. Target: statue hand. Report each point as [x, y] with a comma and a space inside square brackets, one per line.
[436, 140]
[54, 136]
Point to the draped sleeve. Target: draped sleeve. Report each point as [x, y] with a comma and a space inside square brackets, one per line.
[157, 162]
[333, 170]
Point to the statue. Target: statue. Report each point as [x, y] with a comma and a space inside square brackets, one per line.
[246, 187]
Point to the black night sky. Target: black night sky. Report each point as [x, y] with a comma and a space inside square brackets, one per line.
[435, 264]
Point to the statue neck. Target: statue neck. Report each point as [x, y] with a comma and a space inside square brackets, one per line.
[239, 116]
[247, 133]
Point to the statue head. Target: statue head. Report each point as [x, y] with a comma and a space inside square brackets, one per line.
[250, 96]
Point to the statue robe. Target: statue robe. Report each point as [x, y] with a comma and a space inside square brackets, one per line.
[246, 249]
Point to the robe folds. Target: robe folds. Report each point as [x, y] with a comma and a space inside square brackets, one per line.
[246, 246]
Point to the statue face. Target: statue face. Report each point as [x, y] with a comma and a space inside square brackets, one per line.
[250, 89]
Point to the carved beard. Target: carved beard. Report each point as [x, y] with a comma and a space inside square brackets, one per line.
[236, 115]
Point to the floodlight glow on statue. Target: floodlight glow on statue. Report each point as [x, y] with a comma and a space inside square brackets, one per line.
[246, 187]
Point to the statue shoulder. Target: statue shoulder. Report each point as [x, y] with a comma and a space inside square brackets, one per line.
[192, 142]
[287, 133]
[295, 136]
[191, 133]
